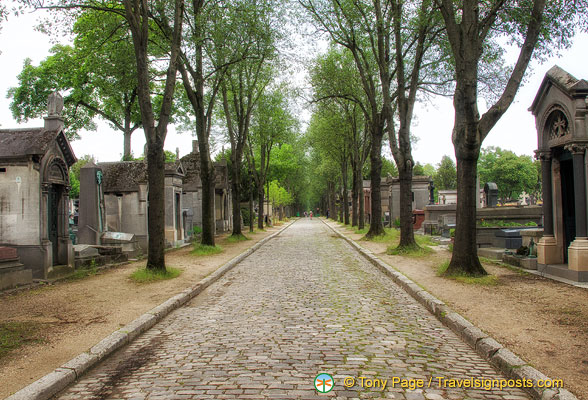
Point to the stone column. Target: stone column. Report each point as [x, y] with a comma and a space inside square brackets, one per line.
[547, 192]
[547, 246]
[579, 188]
[578, 250]
[90, 220]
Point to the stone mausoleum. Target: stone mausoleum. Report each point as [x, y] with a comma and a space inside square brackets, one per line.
[561, 118]
[34, 192]
[192, 193]
[125, 189]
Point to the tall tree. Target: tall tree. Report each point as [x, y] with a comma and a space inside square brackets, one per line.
[351, 25]
[246, 80]
[97, 74]
[271, 124]
[473, 28]
[446, 175]
[335, 80]
[330, 132]
[512, 174]
[389, 50]
[201, 79]
[138, 14]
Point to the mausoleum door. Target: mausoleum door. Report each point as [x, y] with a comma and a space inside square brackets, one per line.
[54, 197]
[568, 206]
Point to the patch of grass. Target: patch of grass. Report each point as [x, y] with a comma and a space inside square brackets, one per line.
[205, 250]
[82, 273]
[361, 231]
[14, 334]
[499, 263]
[425, 240]
[144, 275]
[486, 280]
[391, 235]
[237, 238]
[417, 251]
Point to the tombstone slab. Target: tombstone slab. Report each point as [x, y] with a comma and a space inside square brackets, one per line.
[85, 250]
[8, 253]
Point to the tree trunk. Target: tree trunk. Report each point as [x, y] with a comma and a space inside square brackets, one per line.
[208, 180]
[345, 196]
[260, 196]
[156, 209]
[406, 225]
[376, 226]
[127, 145]
[251, 215]
[341, 206]
[235, 186]
[354, 199]
[361, 216]
[465, 260]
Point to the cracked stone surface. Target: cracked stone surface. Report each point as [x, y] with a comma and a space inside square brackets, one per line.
[303, 304]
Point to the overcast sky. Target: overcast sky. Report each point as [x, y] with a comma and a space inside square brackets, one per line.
[433, 124]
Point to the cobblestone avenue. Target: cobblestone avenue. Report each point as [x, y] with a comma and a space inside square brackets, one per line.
[304, 303]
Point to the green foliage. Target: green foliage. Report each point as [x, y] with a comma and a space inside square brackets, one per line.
[500, 223]
[144, 275]
[14, 334]
[278, 195]
[196, 230]
[205, 250]
[74, 175]
[388, 169]
[97, 75]
[512, 174]
[246, 216]
[418, 169]
[446, 176]
[170, 156]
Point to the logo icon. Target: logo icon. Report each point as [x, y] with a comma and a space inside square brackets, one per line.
[324, 383]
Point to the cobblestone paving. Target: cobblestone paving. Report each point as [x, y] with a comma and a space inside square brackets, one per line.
[304, 303]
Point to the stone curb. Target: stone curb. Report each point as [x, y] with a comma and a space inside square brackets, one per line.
[54, 382]
[499, 356]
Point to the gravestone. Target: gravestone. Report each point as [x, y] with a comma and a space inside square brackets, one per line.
[91, 208]
[491, 192]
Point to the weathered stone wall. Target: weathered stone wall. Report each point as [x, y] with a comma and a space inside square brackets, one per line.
[174, 231]
[19, 205]
[127, 212]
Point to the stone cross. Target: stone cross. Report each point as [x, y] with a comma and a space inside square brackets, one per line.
[55, 105]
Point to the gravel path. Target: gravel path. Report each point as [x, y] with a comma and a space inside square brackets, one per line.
[303, 304]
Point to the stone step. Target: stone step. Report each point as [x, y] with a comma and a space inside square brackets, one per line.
[10, 265]
[11, 278]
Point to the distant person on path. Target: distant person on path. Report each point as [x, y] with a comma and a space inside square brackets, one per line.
[311, 215]
[327, 213]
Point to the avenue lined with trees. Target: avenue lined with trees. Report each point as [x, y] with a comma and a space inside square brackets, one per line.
[217, 69]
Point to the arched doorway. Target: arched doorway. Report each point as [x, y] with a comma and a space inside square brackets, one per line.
[56, 183]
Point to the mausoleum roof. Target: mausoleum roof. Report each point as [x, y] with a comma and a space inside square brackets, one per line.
[563, 80]
[16, 143]
[123, 176]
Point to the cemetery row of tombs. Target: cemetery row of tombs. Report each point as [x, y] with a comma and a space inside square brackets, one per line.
[35, 208]
[551, 238]
[36, 213]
